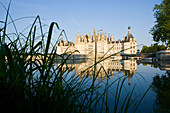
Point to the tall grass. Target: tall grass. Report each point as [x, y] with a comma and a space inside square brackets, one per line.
[29, 82]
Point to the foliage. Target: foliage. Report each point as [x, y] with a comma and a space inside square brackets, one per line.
[161, 30]
[161, 86]
[153, 48]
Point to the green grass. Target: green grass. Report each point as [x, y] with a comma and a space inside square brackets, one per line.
[29, 82]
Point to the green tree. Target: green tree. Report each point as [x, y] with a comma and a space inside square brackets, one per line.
[161, 47]
[153, 48]
[161, 30]
[144, 49]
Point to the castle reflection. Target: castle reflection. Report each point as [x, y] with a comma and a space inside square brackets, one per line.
[104, 70]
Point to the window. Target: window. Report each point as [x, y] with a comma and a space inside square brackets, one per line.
[90, 45]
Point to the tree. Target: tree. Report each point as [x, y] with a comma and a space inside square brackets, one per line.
[153, 48]
[161, 30]
[144, 49]
[162, 47]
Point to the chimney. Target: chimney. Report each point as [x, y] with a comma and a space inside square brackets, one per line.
[79, 34]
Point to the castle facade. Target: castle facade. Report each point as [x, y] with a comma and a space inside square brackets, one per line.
[105, 43]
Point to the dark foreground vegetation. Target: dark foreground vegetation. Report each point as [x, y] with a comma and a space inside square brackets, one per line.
[161, 86]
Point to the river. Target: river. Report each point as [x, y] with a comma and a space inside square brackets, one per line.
[138, 74]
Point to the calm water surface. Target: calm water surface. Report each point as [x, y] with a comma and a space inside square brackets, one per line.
[138, 74]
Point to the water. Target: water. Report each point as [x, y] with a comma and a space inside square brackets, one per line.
[139, 74]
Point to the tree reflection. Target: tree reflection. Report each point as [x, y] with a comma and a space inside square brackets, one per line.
[161, 86]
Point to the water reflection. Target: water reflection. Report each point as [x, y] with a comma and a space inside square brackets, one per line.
[162, 65]
[108, 69]
[104, 69]
[161, 86]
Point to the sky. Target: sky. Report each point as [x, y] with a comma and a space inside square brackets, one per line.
[112, 16]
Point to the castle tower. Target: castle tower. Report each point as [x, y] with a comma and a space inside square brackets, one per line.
[112, 39]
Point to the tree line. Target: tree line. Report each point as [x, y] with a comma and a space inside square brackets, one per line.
[153, 48]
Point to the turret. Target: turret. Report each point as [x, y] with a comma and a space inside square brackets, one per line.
[105, 36]
[112, 39]
[89, 37]
[61, 40]
[67, 43]
[98, 35]
[86, 38]
[102, 34]
[109, 37]
[119, 41]
[94, 33]
[82, 39]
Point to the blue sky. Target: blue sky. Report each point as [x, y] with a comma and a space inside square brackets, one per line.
[112, 16]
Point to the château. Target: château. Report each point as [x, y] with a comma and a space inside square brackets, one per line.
[105, 43]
